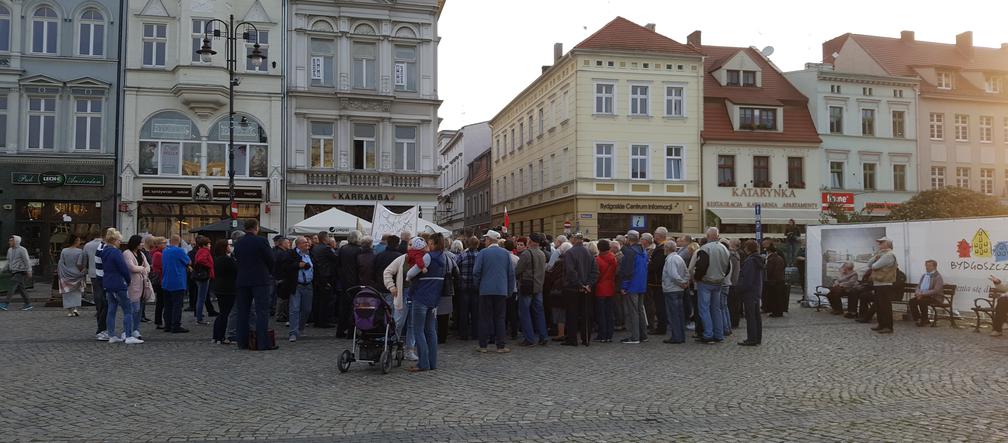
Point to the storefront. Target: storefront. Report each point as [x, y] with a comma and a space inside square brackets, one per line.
[606, 218]
[302, 204]
[733, 210]
[177, 209]
[46, 201]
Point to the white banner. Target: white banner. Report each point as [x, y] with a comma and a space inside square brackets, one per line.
[968, 251]
[388, 222]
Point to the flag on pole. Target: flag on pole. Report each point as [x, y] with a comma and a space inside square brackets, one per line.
[507, 220]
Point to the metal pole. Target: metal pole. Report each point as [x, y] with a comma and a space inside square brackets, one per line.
[232, 41]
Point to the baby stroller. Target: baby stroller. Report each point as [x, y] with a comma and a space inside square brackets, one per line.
[375, 340]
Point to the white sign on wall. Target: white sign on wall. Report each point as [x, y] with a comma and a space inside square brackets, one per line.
[317, 70]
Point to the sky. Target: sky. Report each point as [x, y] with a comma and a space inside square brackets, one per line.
[491, 50]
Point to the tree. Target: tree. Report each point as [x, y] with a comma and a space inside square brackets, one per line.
[951, 202]
[835, 212]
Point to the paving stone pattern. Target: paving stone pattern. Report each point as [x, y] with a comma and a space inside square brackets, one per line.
[817, 378]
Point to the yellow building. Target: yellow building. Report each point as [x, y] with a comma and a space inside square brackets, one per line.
[607, 139]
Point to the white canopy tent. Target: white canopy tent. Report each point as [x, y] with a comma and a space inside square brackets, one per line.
[340, 223]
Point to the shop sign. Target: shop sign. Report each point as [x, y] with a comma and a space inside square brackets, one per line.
[764, 192]
[54, 179]
[772, 205]
[222, 193]
[367, 196]
[586, 215]
[637, 222]
[167, 192]
[639, 206]
[201, 193]
[845, 200]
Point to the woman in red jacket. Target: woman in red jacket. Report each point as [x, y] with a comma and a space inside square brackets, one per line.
[605, 288]
[203, 272]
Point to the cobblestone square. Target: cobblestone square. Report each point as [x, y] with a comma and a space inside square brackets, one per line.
[816, 378]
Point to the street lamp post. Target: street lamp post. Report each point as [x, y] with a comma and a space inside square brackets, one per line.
[256, 58]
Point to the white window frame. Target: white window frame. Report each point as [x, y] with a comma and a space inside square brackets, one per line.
[197, 37]
[41, 114]
[46, 22]
[992, 84]
[542, 121]
[903, 122]
[531, 125]
[93, 122]
[875, 176]
[874, 120]
[944, 80]
[373, 148]
[936, 126]
[401, 70]
[938, 177]
[640, 101]
[671, 100]
[5, 16]
[607, 98]
[521, 133]
[671, 173]
[961, 127]
[987, 181]
[3, 120]
[263, 47]
[829, 118]
[963, 179]
[906, 170]
[606, 159]
[986, 129]
[91, 24]
[644, 160]
[843, 174]
[323, 141]
[402, 146]
[158, 45]
[365, 62]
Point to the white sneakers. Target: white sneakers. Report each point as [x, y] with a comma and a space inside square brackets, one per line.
[136, 334]
[116, 339]
[102, 336]
[411, 355]
[131, 340]
[292, 339]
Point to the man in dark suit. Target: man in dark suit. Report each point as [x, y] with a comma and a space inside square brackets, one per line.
[324, 260]
[254, 260]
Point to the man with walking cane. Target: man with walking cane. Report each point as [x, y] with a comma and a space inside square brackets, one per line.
[581, 274]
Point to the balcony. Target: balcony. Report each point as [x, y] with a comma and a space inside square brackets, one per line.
[311, 179]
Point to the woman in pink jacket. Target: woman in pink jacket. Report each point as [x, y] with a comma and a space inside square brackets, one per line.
[139, 270]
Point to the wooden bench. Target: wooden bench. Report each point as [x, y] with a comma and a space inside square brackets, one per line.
[985, 306]
[948, 296]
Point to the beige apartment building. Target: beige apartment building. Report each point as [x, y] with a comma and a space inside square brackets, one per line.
[962, 115]
[605, 140]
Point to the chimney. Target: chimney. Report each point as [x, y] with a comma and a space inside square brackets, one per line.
[907, 36]
[693, 39]
[546, 68]
[964, 43]
[650, 26]
[557, 51]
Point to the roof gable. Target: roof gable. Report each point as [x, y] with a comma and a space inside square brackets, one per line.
[621, 34]
[257, 14]
[154, 8]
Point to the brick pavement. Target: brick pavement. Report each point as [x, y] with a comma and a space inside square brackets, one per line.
[817, 378]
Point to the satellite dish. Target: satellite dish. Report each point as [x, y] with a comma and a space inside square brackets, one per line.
[767, 51]
[836, 54]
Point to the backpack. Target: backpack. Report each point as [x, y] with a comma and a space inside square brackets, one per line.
[901, 280]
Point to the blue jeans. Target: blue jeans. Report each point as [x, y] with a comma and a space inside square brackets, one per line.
[709, 305]
[137, 316]
[606, 317]
[532, 317]
[117, 300]
[202, 287]
[424, 326]
[676, 318]
[725, 315]
[300, 308]
[243, 304]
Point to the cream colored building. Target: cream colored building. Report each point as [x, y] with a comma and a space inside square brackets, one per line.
[176, 126]
[607, 139]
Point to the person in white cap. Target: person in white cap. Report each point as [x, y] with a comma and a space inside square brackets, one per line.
[19, 265]
[883, 268]
[495, 279]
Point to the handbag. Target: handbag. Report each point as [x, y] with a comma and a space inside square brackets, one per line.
[148, 295]
[448, 284]
[201, 273]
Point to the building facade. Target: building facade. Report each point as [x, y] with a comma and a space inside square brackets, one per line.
[607, 139]
[961, 121]
[174, 166]
[477, 192]
[59, 108]
[458, 151]
[868, 125]
[760, 146]
[362, 106]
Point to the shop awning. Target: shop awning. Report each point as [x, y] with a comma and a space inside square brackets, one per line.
[770, 216]
[224, 226]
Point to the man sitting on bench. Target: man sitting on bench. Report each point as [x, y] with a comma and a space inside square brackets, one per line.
[929, 292]
[1001, 309]
[844, 286]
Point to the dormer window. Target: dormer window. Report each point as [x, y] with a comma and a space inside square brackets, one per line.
[944, 80]
[748, 78]
[737, 77]
[993, 84]
[758, 118]
[734, 78]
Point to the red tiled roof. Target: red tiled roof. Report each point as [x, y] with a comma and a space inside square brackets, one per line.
[775, 91]
[624, 35]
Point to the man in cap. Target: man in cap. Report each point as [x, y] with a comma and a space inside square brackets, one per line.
[884, 269]
[495, 279]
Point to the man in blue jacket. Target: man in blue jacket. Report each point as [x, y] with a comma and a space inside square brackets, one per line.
[254, 259]
[633, 273]
[174, 282]
[495, 277]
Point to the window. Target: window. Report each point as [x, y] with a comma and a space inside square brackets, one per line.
[796, 172]
[987, 181]
[986, 129]
[835, 120]
[748, 78]
[520, 183]
[899, 124]
[757, 118]
[639, 100]
[937, 126]
[674, 101]
[263, 40]
[41, 122]
[513, 138]
[868, 176]
[405, 68]
[603, 98]
[322, 151]
[761, 171]
[364, 147]
[88, 124]
[834, 89]
[498, 154]
[937, 177]
[530, 129]
[868, 122]
[674, 162]
[91, 39]
[963, 177]
[836, 175]
[898, 93]
[251, 150]
[405, 148]
[1004, 131]
[323, 53]
[726, 171]
[521, 134]
[45, 25]
[199, 28]
[542, 122]
[364, 69]
[155, 37]
[867, 91]
[944, 80]
[733, 78]
[161, 141]
[5, 22]
[603, 160]
[639, 162]
[565, 109]
[993, 84]
[899, 178]
[961, 127]
[3, 121]
[542, 175]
